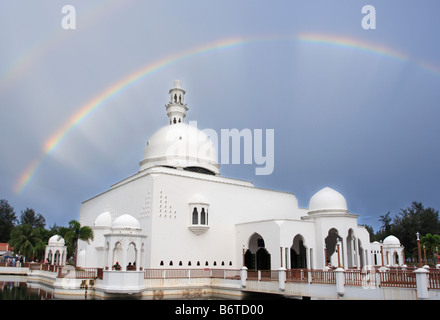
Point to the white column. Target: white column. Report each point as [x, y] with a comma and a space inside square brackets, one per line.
[358, 254]
[282, 278]
[124, 258]
[344, 252]
[243, 276]
[308, 258]
[340, 281]
[422, 283]
[138, 256]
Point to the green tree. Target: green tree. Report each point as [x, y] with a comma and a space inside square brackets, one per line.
[431, 242]
[386, 227]
[29, 217]
[24, 239]
[74, 233]
[386, 224]
[7, 220]
[415, 218]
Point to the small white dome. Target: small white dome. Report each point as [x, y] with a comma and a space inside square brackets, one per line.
[329, 200]
[56, 240]
[391, 240]
[104, 220]
[126, 221]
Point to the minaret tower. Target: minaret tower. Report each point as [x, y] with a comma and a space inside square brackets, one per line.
[176, 108]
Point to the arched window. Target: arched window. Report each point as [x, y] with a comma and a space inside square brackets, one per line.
[198, 263]
[161, 262]
[175, 98]
[174, 121]
[203, 216]
[189, 263]
[180, 263]
[171, 263]
[195, 216]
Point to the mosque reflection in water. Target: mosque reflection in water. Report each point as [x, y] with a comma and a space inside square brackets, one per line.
[20, 290]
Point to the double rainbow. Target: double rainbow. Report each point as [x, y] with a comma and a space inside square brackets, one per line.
[94, 104]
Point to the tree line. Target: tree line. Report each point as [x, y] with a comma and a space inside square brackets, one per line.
[29, 235]
[406, 223]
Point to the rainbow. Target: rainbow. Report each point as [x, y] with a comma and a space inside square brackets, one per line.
[345, 42]
[98, 101]
[91, 106]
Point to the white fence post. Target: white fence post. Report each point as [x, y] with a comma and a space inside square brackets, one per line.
[422, 283]
[340, 281]
[243, 276]
[282, 278]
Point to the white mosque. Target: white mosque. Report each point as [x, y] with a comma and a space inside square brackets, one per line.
[177, 211]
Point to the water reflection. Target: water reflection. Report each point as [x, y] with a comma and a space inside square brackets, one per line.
[19, 290]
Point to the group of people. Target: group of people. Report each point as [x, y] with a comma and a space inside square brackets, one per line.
[12, 261]
[130, 266]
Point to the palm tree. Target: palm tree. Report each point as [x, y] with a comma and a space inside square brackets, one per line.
[430, 242]
[74, 233]
[24, 239]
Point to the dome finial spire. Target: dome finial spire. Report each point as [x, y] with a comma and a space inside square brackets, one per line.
[176, 108]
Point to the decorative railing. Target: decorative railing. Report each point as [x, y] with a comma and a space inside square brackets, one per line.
[16, 264]
[363, 277]
[434, 279]
[297, 275]
[392, 277]
[263, 275]
[398, 278]
[77, 273]
[323, 276]
[191, 273]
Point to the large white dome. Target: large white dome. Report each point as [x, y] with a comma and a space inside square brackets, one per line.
[181, 146]
[327, 199]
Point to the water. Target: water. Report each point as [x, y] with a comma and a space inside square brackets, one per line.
[15, 288]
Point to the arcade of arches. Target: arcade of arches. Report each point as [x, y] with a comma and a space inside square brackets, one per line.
[300, 255]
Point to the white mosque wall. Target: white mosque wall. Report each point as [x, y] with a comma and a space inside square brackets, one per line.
[161, 200]
[128, 198]
[230, 202]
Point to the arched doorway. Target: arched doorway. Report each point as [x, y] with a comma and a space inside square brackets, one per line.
[263, 259]
[298, 255]
[117, 254]
[257, 257]
[330, 244]
[131, 256]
